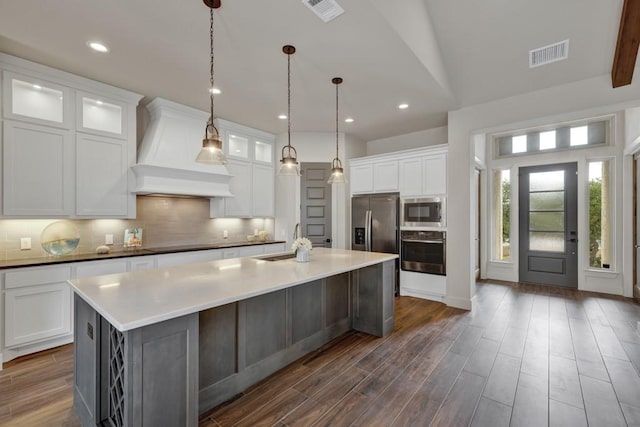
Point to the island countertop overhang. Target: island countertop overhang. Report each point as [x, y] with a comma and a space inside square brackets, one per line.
[132, 300]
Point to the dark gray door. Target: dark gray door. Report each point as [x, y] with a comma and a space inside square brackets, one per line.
[315, 199]
[548, 217]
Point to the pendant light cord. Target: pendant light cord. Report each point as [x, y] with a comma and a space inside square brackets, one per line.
[289, 100]
[337, 157]
[211, 63]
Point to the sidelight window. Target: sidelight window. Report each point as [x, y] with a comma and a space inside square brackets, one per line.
[600, 222]
[501, 217]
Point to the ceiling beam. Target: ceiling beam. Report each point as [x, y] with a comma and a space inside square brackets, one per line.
[624, 60]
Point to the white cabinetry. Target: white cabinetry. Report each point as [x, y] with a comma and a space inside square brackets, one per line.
[37, 305]
[168, 260]
[37, 170]
[68, 144]
[434, 175]
[374, 176]
[101, 176]
[250, 154]
[412, 173]
[140, 263]
[424, 176]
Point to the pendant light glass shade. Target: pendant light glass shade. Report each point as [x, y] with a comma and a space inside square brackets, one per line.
[289, 159]
[337, 171]
[211, 151]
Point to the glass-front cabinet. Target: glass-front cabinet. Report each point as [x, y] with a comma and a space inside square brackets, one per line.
[250, 154]
[99, 115]
[36, 100]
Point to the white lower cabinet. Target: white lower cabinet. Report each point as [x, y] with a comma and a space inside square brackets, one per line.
[99, 268]
[140, 263]
[36, 313]
[37, 305]
[168, 260]
[422, 285]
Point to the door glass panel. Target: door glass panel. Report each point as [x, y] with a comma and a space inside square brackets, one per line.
[547, 201]
[546, 211]
[238, 146]
[37, 101]
[546, 241]
[263, 152]
[102, 116]
[546, 181]
[546, 221]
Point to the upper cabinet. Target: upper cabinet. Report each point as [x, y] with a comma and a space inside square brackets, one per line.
[101, 116]
[36, 100]
[68, 144]
[424, 175]
[412, 173]
[250, 160]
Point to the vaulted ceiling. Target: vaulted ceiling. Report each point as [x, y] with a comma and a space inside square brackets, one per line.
[435, 55]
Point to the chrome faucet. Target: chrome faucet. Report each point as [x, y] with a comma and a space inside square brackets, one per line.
[296, 231]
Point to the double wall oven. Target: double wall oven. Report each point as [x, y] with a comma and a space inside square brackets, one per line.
[422, 244]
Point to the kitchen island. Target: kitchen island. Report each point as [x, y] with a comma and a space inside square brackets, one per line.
[159, 347]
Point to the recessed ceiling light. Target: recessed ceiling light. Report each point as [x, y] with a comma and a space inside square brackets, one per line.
[282, 117]
[403, 106]
[98, 47]
[348, 120]
[99, 102]
[37, 87]
[215, 91]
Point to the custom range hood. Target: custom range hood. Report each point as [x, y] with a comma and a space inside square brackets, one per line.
[166, 155]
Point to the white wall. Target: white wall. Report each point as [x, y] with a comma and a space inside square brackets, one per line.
[407, 141]
[316, 147]
[561, 103]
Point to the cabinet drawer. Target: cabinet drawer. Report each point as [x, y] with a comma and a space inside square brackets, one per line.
[36, 313]
[99, 268]
[36, 276]
[168, 260]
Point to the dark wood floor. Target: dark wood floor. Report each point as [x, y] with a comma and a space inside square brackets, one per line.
[526, 355]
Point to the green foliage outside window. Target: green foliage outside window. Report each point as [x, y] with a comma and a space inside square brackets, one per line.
[595, 222]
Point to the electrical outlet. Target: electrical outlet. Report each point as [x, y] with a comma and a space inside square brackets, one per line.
[225, 234]
[25, 243]
[108, 239]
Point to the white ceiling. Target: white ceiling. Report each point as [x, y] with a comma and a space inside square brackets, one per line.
[436, 55]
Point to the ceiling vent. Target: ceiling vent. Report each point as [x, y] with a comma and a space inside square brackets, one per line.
[548, 54]
[325, 9]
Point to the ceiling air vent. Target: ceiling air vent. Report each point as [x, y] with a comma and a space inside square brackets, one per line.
[325, 9]
[548, 54]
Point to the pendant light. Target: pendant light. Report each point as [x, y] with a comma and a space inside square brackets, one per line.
[290, 166]
[337, 171]
[211, 151]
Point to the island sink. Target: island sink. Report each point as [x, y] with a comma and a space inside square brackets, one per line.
[279, 257]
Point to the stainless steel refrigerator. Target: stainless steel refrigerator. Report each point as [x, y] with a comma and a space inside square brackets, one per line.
[374, 224]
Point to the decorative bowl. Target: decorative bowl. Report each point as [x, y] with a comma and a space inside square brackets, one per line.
[60, 238]
[251, 238]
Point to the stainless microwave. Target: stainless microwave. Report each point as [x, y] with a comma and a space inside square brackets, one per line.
[423, 212]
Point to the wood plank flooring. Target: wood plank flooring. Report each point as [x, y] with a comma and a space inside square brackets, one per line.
[525, 356]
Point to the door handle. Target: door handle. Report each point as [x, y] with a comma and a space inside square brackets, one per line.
[573, 240]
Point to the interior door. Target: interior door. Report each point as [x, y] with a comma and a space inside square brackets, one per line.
[315, 202]
[548, 219]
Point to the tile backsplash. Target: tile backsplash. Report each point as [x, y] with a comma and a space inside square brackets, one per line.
[165, 221]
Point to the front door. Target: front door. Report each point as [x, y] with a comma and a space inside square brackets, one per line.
[548, 217]
[315, 200]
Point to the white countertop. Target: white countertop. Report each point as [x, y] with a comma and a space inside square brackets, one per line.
[132, 300]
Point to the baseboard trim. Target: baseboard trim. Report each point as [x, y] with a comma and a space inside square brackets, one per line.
[417, 293]
[463, 303]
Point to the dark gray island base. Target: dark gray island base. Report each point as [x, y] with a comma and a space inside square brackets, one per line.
[167, 373]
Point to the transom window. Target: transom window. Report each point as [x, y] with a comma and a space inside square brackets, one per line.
[564, 137]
